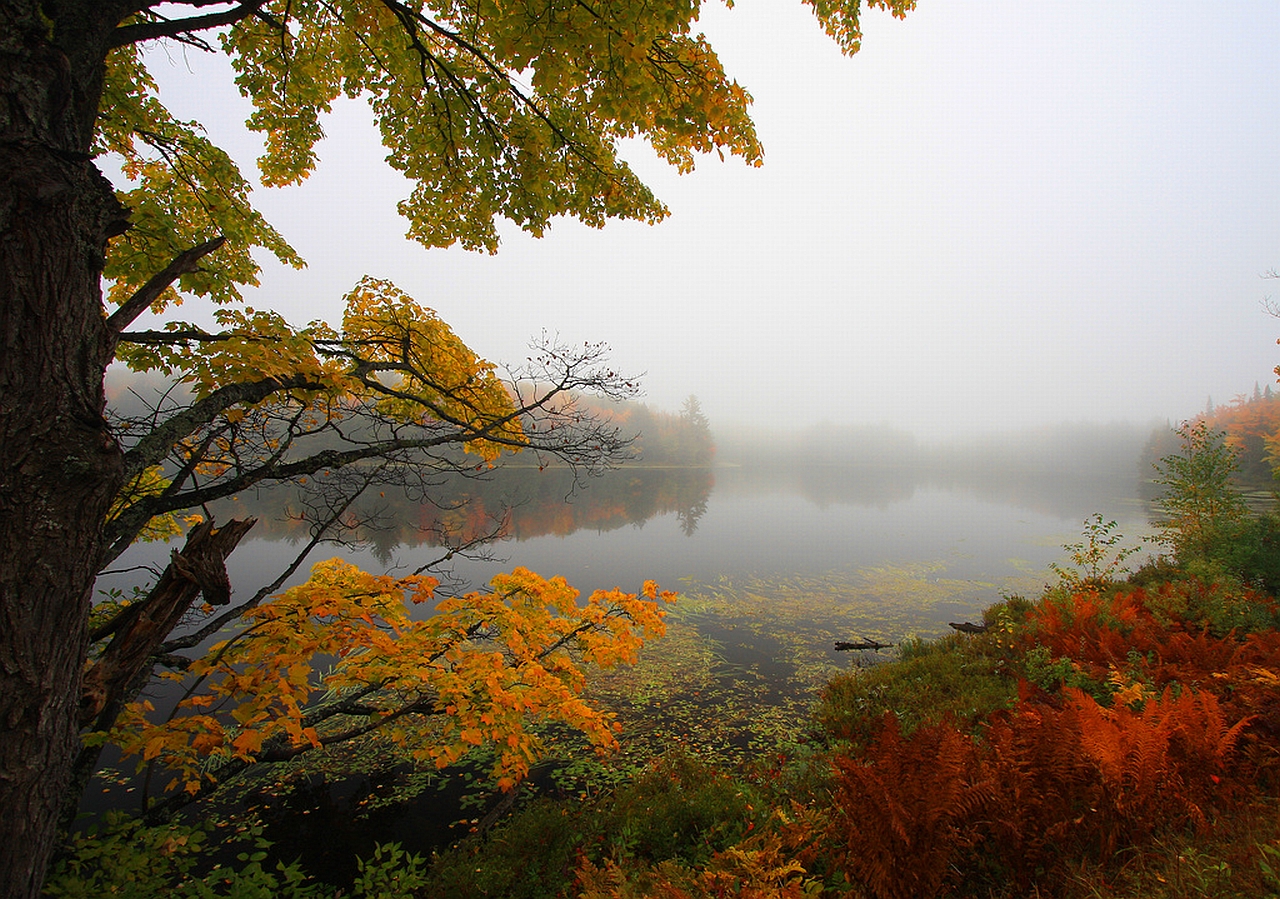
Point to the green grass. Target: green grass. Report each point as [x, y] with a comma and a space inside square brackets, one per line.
[956, 677]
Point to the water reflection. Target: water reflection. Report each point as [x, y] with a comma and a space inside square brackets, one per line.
[507, 503]
[1066, 474]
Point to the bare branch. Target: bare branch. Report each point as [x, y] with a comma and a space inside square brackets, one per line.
[173, 338]
[180, 28]
[216, 623]
[198, 569]
[153, 447]
[184, 263]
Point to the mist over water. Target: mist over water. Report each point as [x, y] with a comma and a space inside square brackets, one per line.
[994, 510]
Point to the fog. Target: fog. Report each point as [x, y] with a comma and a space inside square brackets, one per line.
[997, 216]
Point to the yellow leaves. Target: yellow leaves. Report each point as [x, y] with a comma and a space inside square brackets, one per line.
[840, 18]
[149, 482]
[1265, 676]
[492, 663]
[436, 375]
[253, 346]
[1133, 694]
[183, 191]
[520, 120]
[154, 746]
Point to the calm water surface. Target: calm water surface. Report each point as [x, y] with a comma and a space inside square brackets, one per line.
[999, 536]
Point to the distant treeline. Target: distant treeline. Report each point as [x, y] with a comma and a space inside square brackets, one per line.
[665, 439]
[1251, 425]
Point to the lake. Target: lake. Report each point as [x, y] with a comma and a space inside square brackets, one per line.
[775, 563]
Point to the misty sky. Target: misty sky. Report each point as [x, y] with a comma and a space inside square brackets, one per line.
[997, 214]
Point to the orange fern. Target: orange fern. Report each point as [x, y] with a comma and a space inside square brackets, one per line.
[901, 810]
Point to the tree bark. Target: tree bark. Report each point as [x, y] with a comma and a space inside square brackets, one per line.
[126, 664]
[59, 465]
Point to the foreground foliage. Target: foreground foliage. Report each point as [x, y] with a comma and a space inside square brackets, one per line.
[1115, 736]
[128, 860]
[479, 672]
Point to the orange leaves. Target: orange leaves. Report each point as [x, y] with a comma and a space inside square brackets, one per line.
[482, 671]
[907, 808]
[1068, 775]
[247, 744]
[1153, 767]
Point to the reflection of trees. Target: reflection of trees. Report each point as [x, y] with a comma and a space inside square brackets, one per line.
[510, 502]
[688, 518]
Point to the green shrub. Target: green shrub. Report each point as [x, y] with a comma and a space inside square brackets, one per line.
[530, 855]
[1205, 519]
[952, 677]
[1253, 554]
[1052, 674]
[126, 859]
[1201, 508]
[679, 810]
[1096, 560]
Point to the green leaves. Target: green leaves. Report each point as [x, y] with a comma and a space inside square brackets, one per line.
[1202, 507]
[185, 191]
[841, 19]
[494, 110]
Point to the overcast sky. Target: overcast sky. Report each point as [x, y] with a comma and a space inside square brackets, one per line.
[996, 215]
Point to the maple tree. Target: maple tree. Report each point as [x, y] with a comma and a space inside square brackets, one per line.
[474, 673]
[493, 110]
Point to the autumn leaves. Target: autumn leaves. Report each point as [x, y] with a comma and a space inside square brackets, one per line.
[342, 655]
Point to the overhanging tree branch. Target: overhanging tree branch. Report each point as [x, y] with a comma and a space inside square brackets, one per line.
[182, 264]
[153, 447]
[179, 28]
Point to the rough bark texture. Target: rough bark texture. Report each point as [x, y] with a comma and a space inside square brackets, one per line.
[59, 466]
[200, 568]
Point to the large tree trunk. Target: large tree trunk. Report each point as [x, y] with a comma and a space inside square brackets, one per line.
[59, 466]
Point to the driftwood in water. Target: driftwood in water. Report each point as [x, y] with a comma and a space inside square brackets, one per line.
[968, 627]
[842, 646]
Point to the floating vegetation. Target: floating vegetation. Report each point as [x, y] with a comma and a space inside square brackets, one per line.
[744, 657]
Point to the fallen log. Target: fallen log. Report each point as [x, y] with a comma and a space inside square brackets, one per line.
[842, 646]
